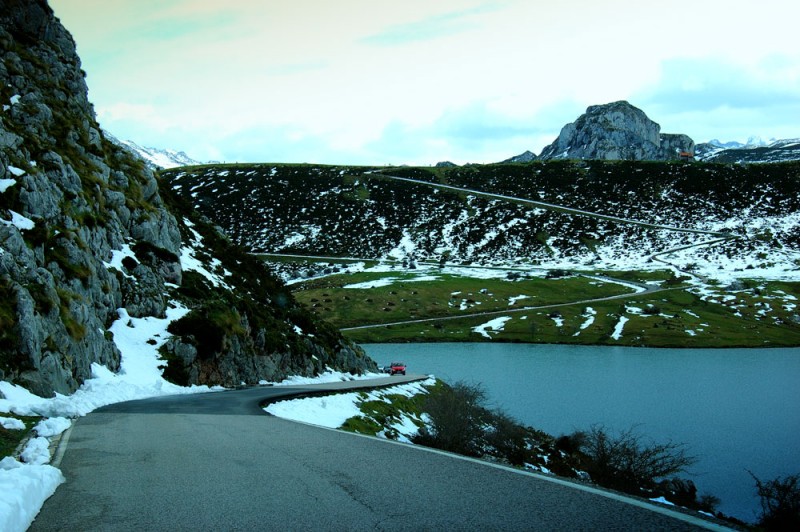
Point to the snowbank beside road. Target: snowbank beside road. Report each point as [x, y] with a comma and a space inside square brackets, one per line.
[333, 410]
[26, 484]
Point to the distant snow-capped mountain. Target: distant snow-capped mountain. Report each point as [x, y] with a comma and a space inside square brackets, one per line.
[155, 157]
[756, 150]
[752, 142]
[160, 158]
[731, 145]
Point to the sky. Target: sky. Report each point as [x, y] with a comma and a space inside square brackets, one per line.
[420, 81]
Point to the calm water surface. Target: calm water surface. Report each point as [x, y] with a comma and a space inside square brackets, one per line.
[737, 409]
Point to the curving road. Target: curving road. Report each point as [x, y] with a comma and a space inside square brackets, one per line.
[217, 462]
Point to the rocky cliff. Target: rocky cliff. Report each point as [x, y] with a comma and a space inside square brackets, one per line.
[616, 131]
[85, 231]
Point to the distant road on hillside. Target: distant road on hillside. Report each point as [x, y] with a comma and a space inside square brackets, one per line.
[641, 289]
[216, 461]
[550, 206]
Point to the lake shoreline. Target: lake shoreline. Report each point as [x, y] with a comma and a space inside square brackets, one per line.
[737, 409]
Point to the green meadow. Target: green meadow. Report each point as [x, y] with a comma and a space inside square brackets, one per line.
[430, 306]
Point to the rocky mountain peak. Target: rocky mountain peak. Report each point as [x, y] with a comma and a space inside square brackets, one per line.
[615, 131]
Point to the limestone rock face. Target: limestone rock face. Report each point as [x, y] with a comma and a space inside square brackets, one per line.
[70, 201]
[616, 131]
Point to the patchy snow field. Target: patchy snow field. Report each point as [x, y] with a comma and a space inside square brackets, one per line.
[333, 410]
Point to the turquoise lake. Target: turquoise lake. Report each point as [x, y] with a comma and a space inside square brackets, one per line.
[736, 409]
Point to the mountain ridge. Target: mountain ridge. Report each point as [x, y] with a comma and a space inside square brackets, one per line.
[754, 151]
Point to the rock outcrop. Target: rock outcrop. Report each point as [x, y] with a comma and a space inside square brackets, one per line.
[71, 202]
[616, 131]
[525, 157]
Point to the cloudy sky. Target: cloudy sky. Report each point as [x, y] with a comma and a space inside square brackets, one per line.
[422, 81]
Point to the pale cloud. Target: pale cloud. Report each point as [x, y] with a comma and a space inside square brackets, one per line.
[433, 27]
[146, 115]
[704, 96]
[417, 81]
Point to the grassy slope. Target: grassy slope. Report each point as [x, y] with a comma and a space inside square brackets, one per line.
[450, 295]
[758, 315]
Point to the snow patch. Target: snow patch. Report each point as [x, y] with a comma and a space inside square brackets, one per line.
[662, 500]
[20, 222]
[11, 423]
[53, 426]
[37, 451]
[512, 300]
[496, 325]
[190, 262]
[328, 376]
[332, 411]
[617, 334]
[388, 281]
[117, 255]
[589, 315]
[328, 411]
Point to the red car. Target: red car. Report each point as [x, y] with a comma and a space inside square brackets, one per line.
[397, 367]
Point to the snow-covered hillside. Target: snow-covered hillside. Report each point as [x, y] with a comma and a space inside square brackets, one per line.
[349, 212]
[155, 158]
[161, 158]
[755, 150]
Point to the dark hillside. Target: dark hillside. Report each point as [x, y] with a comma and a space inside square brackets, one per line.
[362, 212]
[250, 330]
[635, 189]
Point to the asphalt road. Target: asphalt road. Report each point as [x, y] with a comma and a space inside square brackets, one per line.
[217, 462]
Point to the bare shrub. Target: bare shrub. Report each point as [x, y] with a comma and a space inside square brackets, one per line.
[457, 418]
[629, 463]
[780, 502]
[507, 438]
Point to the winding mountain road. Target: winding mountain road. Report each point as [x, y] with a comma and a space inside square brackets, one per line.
[549, 206]
[216, 461]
